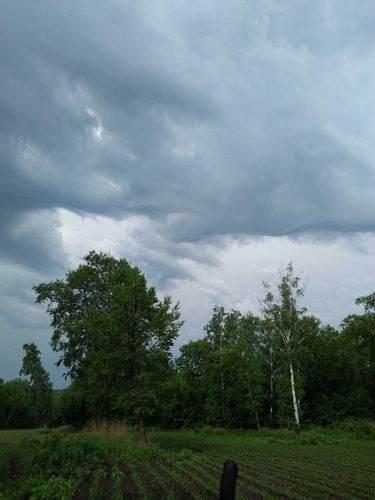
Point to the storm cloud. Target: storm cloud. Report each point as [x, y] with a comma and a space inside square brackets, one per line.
[183, 125]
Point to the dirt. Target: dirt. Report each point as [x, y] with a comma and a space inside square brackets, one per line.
[106, 487]
[171, 484]
[153, 488]
[130, 488]
[194, 487]
[83, 489]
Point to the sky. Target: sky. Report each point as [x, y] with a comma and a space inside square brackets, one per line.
[209, 143]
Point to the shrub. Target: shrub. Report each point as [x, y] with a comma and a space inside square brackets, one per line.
[53, 488]
[358, 428]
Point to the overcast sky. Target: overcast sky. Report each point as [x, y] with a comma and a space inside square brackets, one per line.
[209, 143]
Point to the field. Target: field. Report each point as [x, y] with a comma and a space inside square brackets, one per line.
[188, 464]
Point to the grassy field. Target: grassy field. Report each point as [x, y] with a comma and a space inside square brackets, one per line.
[188, 464]
[15, 436]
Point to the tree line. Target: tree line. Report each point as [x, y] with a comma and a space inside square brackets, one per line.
[114, 335]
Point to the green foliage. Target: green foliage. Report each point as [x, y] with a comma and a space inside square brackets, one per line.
[40, 385]
[16, 404]
[356, 427]
[221, 374]
[192, 366]
[358, 335]
[96, 477]
[36, 469]
[53, 488]
[285, 327]
[6, 459]
[114, 336]
[71, 407]
[118, 479]
[280, 461]
[241, 372]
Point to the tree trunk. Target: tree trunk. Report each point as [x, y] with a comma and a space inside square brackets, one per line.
[222, 397]
[142, 430]
[8, 419]
[294, 397]
[255, 411]
[257, 420]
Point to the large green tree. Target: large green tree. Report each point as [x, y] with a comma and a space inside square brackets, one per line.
[114, 335]
[40, 385]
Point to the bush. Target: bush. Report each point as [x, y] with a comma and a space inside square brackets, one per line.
[53, 488]
[358, 428]
[5, 464]
[212, 431]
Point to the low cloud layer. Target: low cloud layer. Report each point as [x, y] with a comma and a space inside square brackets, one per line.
[184, 125]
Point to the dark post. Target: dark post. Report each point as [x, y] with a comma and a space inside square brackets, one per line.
[228, 480]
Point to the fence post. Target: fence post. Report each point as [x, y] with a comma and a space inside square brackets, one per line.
[228, 480]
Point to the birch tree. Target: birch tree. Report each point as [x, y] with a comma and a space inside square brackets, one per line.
[283, 324]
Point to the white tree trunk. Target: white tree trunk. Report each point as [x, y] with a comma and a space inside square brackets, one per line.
[271, 387]
[292, 385]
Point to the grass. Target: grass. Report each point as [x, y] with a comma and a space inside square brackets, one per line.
[106, 462]
[110, 430]
[13, 436]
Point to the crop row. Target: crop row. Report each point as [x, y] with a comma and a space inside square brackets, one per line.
[264, 472]
[303, 465]
[320, 456]
[292, 478]
[148, 482]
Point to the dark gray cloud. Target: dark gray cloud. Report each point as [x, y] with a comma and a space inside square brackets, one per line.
[197, 120]
[216, 119]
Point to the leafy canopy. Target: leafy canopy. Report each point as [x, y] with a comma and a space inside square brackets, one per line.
[113, 333]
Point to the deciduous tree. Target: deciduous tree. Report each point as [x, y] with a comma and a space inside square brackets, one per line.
[113, 333]
[283, 323]
[40, 385]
